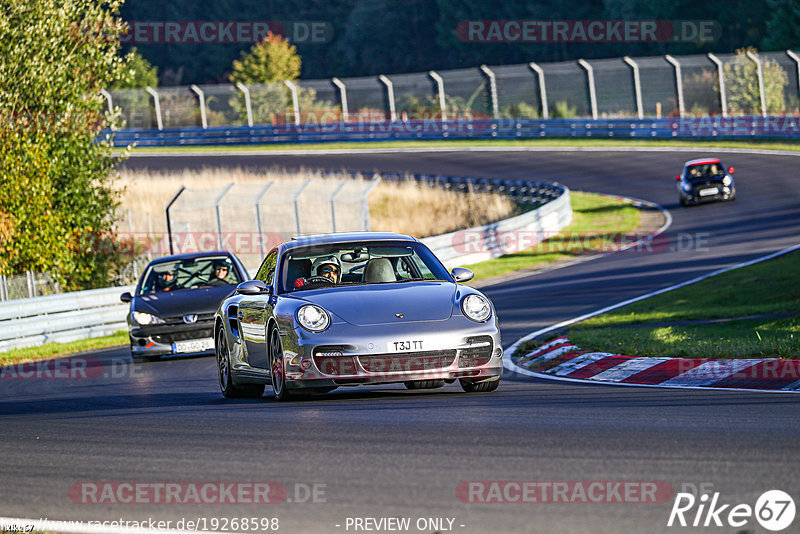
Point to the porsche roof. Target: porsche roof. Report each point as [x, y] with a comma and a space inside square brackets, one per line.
[345, 237]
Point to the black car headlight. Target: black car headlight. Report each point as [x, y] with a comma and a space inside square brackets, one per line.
[476, 308]
[145, 319]
[313, 318]
[727, 181]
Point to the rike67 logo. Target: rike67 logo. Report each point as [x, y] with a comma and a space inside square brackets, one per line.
[774, 510]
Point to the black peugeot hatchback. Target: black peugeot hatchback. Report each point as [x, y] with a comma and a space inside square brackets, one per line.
[704, 180]
[172, 309]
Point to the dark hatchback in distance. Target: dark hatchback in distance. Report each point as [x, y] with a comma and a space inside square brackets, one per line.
[705, 180]
[172, 308]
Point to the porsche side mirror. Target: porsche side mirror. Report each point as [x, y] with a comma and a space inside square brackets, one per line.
[461, 274]
[126, 297]
[253, 287]
[730, 170]
[678, 178]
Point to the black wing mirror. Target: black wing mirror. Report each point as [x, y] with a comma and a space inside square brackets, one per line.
[253, 287]
[462, 274]
[126, 297]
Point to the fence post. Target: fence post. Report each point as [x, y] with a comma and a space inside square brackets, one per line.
[592, 94]
[637, 85]
[166, 212]
[157, 106]
[107, 96]
[678, 83]
[440, 89]
[542, 89]
[760, 73]
[3, 288]
[390, 94]
[365, 203]
[796, 59]
[342, 97]
[492, 91]
[333, 205]
[258, 217]
[133, 243]
[217, 214]
[202, 100]
[723, 98]
[297, 208]
[295, 101]
[247, 105]
[150, 237]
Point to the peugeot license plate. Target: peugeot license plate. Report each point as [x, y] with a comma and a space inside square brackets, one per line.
[710, 191]
[194, 345]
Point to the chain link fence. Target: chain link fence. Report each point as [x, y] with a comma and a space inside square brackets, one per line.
[27, 285]
[661, 86]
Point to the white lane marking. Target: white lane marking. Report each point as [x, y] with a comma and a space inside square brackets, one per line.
[84, 527]
[550, 355]
[511, 366]
[627, 369]
[711, 371]
[589, 315]
[455, 148]
[578, 362]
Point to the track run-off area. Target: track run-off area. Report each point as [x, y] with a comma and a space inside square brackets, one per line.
[385, 452]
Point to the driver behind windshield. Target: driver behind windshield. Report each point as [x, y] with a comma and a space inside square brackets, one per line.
[325, 269]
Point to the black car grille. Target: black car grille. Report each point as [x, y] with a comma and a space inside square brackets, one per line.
[478, 355]
[201, 318]
[172, 337]
[408, 361]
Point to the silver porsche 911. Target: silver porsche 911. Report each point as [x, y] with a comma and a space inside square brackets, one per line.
[354, 309]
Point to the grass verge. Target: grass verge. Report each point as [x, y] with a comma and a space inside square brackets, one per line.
[762, 144]
[596, 219]
[53, 350]
[677, 323]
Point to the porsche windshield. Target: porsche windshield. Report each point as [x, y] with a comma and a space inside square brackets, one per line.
[189, 273]
[342, 264]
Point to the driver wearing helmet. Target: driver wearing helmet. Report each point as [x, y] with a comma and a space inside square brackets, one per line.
[326, 269]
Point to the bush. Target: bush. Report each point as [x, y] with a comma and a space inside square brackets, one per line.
[562, 110]
[741, 84]
[55, 177]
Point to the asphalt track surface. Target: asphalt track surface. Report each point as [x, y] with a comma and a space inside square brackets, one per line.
[387, 452]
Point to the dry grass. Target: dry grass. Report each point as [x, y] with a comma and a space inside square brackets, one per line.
[404, 207]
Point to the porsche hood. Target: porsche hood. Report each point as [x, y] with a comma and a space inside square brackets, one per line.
[382, 304]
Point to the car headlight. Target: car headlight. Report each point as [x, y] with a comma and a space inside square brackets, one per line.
[476, 308]
[726, 181]
[313, 318]
[686, 187]
[145, 318]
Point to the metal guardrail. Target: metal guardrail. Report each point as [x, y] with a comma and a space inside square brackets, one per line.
[61, 318]
[99, 312]
[740, 127]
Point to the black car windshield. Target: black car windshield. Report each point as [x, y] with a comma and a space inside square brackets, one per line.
[704, 171]
[189, 273]
[347, 264]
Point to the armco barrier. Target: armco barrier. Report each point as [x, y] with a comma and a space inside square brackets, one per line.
[61, 318]
[739, 127]
[99, 312]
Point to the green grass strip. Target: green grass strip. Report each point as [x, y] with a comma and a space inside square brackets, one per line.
[53, 350]
[595, 219]
[755, 144]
